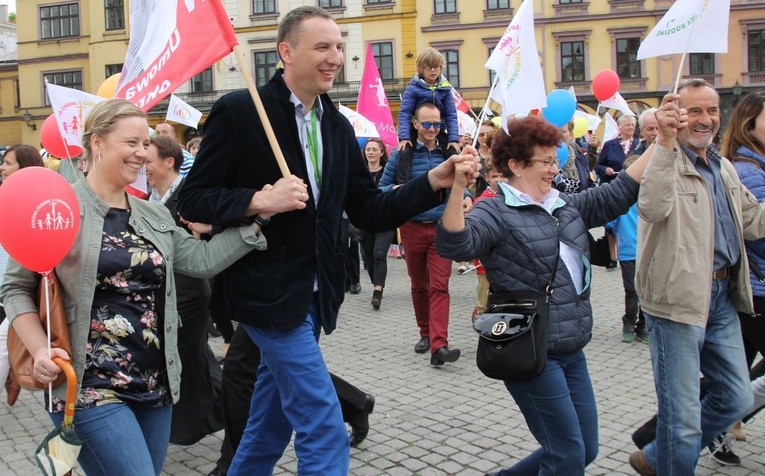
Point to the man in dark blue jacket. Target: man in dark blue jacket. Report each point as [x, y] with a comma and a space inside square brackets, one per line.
[428, 271]
[286, 295]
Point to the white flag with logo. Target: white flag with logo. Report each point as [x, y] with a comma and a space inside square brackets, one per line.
[180, 111]
[515, 59]
[689, 26]
[70, 107]
[593, 121]
[617, 102]
[612, 128]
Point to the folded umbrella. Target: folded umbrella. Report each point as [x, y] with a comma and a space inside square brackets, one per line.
[57, 454]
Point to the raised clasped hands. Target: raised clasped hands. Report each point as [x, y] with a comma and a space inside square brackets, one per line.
[671, 118]
[458, 171]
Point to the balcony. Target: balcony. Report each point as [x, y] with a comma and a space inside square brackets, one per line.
[347, 92]
[757, 78]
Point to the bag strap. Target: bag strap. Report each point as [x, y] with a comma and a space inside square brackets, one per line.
[756, 270]
[550, 284]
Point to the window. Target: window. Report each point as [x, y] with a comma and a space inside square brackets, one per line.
[627, 64]
[497, 4]
[112, 69]
[701, 64]
[565, 2]
[756, 44]
[114, 14]
[265, 66]
[445, 6]
[452, 67]
[572, 60]
[371, 2]
[263, 6]
[203, 82]
[383, 53]
[330, 3]
[492, 73]
[60, 21]
[67, 79]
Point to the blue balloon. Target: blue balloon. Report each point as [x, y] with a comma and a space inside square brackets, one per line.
[562, 154]
[561, 106]
[362, 142]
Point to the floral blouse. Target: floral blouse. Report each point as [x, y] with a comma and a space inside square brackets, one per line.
[125, 359]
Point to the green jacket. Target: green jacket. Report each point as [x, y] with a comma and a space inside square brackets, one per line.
[675, 253]
[78, 270]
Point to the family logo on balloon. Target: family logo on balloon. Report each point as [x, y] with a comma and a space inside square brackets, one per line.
[47, 218]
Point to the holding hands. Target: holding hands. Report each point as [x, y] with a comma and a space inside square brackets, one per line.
[457, 171]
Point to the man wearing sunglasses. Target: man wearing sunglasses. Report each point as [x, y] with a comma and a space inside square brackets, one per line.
[429, 273]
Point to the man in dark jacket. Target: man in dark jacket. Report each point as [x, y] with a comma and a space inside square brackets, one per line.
[286, 295]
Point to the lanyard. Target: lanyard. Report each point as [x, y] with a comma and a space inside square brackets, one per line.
[313, 147]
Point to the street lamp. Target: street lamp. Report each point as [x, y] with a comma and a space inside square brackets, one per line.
[737, 88]
[28, 119]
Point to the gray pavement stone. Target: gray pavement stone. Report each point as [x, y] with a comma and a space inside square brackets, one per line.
[434, 421]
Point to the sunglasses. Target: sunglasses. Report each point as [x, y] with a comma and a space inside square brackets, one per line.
[429, 124]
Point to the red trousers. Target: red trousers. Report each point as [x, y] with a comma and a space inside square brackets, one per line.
[429, 274]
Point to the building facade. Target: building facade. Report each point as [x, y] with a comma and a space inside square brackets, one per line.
[79, 44]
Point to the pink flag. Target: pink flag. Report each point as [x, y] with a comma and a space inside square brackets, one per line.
[373, 102]
[460, 103]
[171, 42]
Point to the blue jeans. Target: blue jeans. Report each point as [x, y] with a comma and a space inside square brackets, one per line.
[559, 408]
[293, 390]
[121, 439]
[679, 352]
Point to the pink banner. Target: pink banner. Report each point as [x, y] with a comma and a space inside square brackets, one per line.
[373, 102]
[460, 103]
[170, 42]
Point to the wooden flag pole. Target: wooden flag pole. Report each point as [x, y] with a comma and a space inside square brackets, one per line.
[244, 68]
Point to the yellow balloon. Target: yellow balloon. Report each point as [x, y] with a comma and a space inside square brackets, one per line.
[580, 127]
[109, 87]
[497, 121]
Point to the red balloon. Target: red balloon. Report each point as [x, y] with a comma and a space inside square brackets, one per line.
[51, 139]
[40, 217]
[605, 84]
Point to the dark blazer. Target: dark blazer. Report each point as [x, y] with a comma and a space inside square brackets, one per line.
[273, 289]
[611, 155]
[187, 289]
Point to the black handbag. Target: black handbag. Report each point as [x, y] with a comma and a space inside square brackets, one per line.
[599, 253]
[512, 342]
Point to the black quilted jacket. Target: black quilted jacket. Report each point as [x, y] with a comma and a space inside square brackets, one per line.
[517, 244]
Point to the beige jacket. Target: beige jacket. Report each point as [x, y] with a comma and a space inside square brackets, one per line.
[675, 253]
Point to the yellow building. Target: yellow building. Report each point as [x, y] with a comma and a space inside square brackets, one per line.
[78, 44]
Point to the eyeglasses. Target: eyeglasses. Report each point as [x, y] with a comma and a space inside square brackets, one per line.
[429, 124]
[434, 67]
[547, 162]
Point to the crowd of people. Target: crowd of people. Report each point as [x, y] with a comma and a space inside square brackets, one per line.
[684, 220]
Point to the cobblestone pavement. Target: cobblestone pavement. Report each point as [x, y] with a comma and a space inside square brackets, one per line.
[435, 421]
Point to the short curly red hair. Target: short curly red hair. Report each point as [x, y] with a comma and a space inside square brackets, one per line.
[524, 134]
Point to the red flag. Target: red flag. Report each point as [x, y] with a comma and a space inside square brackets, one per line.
[373, 102]
[170, 42]
[460, 103]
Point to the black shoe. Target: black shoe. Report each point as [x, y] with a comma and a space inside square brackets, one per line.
[360, 422]
[444, 354]
[218, 471]
[645, 434]
[721, 450]
[212, 329]
[355, 288]
[422, 346]
[376, 298]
